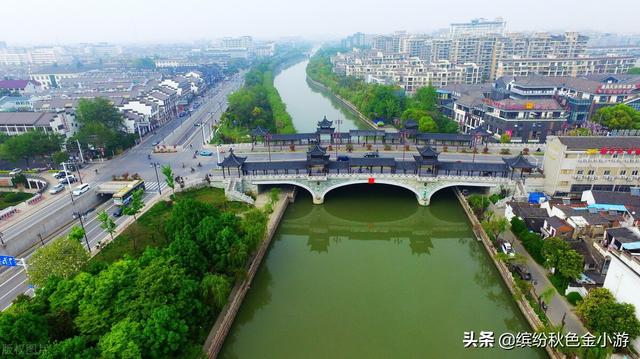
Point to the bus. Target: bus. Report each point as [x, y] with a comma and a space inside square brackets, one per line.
[123, 196]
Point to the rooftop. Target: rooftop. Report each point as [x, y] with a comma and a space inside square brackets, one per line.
[583, 143]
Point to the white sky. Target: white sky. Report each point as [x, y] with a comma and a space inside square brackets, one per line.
[71, 21]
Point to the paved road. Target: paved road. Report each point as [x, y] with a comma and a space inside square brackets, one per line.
[13, 281]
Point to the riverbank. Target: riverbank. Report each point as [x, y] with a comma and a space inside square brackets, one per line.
[506, 275]
[348, 104]
[219, 332]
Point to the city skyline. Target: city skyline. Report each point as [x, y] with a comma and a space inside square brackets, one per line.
[148, 22]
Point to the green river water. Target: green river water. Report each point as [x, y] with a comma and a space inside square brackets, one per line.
[371, 274]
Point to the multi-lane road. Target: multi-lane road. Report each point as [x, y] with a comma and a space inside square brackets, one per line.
[181, 132]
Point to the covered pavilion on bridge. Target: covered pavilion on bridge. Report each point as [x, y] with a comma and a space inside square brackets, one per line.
[232, 161]
[519, 162]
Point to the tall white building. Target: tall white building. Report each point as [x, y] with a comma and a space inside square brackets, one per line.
[478, 27]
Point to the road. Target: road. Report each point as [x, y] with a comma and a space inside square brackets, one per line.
[14, 281]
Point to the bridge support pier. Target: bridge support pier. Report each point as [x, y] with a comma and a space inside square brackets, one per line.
[423, 201]
[318, 199]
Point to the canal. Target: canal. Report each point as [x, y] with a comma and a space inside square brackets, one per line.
[308, 105]
[370, 273]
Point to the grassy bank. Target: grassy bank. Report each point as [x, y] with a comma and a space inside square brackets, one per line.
[148, 230]
[258, 103]
[159, 303]
[8, 199]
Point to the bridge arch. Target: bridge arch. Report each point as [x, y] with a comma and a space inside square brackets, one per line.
[291, 183]
[419, 196]
[457, 184]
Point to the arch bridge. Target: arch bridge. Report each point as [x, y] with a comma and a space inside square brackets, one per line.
[318, 186]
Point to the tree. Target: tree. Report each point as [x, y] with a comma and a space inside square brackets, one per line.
[571, 264]
[274, 195]
[107, 223]
[634, 71]
[478, 203]
[168, 177]
[122, 341]
[425, 98]
[427, 124]
[505, 138]
[63, 258]
[581, 131]
[215, 290]
[101, 125]
[618, 117]
[553, 250]
[165, 332]
[495, 226]
[22, 327]
[602, 314]
[30, 145]
[76, 233]
[135, 205]
[59, 157]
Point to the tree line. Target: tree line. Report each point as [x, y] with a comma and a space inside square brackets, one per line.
[258, 103]
[159, 305]
[381, 102]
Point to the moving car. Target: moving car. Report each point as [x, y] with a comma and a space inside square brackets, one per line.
[15, 171]
[81, 189]
[343, 158]
[507, 249]
[57, 188]
[118, 211]
[206, 153]
[154, 144]
[197, 124]
[372, 154]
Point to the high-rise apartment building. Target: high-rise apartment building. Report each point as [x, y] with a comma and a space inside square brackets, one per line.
[478, 27]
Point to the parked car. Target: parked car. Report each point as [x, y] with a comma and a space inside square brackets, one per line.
[372, 154]
[15, 171]
[118, 211]
[57, 188]
[507, 249]
[197, 124]
[68, 180]
[62, 174]
[343, 158]
[81, 189]
[206, 153]
[154, 144]
[521, 270]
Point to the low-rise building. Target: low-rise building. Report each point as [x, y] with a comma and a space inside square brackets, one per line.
[17, 123]
[22, 87]
[582, 163]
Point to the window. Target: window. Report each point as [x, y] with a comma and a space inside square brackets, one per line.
[623, 172]
[590, 172]
[607, 172]
[580, 172]
[634, 173]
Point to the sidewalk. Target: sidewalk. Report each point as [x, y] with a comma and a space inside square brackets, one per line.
[558, 307]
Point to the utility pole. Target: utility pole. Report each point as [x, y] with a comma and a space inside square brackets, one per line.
[83, 230]
[218, 156]
[66, 179]
[1, 239]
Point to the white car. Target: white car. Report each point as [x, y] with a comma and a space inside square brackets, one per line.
[81, 189]
[57, 188]
[15, 171]
[507, 249]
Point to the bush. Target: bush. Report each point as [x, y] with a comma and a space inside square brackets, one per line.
[292, 147]
[485, 150]
[349, 147]
[387, 147]
[505, 151]
[574, 298]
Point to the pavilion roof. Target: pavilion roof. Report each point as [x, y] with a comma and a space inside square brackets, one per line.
[316, 150]
[428, 152]
[232, 160]
[518, 161]
[325, 123]
[259, 131]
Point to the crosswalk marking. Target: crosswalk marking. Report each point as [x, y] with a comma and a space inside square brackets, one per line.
[153, 186]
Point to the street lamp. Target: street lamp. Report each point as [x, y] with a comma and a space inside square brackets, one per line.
[403, 137]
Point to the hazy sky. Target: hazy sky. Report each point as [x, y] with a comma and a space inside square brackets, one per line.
[69, 21]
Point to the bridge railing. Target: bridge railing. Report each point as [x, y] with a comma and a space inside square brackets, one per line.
[364, 176]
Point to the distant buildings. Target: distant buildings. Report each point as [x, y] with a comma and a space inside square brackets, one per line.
[497, 53]
[21, 87]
